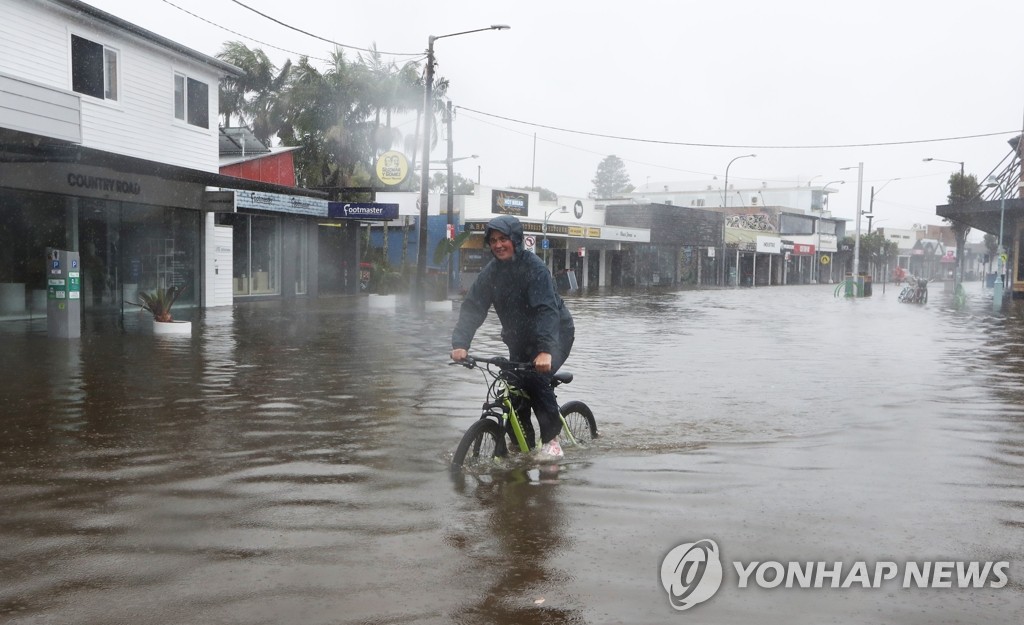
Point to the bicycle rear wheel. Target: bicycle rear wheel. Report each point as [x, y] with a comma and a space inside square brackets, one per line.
[579, 420]
[483, 440]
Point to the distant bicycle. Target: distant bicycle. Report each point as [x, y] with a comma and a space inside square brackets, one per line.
[916, 291]
[485, 439]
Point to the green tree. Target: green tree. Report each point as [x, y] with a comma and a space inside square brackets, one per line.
[878, 252]
[992, 246]
[611, 179]
[460, 184]
[963, 190]
[255, 99]
[329, 114]
[389, 89]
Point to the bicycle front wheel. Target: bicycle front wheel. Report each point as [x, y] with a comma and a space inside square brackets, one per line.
[580, 422]
[483, 440]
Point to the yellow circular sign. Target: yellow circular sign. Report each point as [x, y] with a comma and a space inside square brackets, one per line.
[825, 259]
[392, 168]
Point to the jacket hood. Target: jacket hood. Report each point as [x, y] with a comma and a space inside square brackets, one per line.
[510, 227]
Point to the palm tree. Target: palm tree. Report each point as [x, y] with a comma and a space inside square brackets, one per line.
[390, 90]
[326, 112]
[254, 98]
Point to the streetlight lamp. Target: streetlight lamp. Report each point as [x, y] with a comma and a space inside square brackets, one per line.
[726, 192]
[428, 96]
[871, 204]
[456, 159]
[856, 240]
[960, 163]
[561, 209]
[825, 191]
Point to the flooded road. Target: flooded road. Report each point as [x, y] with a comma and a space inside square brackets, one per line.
[288, 464]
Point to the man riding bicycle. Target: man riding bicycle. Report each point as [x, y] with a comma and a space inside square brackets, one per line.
[535, 323]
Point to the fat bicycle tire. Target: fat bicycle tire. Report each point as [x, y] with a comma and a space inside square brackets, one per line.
[483, 439]
[580, 421]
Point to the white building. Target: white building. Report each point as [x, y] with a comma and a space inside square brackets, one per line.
[108, 146]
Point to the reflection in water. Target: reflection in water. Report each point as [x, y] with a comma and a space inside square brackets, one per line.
[511, 535]
[288, 462]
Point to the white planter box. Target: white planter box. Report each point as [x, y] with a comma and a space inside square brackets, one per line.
[172, 327]
[12, 298]
[381, 301]
[439, 306]
[169, 328]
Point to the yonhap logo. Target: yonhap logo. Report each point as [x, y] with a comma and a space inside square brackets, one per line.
[691, 573]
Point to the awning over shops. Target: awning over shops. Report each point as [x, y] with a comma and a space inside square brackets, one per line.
[20, 149]
[985, 216]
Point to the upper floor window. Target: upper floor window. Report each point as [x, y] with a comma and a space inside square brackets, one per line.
[191, 101]
[93, 69]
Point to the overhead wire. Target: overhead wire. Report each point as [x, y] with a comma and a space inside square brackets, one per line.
[270, 45]
[315, 36]
[735, 146]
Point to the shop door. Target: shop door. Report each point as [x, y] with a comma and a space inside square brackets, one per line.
[220, 273]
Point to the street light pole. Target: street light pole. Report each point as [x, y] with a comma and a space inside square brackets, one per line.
[561, 209]
[419, 294]
[725, 204]
[871, 204]
[960, 163]
[451, 193]
[997, 286]
[856, 240]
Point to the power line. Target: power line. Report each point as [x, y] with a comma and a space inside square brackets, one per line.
[270, 45]
[314, 36]
[737, 146]
[234, 32]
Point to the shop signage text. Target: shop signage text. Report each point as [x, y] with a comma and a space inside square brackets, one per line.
[368, 211]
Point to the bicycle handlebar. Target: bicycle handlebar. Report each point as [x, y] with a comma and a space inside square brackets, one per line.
[501, 362]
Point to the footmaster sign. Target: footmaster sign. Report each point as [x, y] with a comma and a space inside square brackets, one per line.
[368, 211]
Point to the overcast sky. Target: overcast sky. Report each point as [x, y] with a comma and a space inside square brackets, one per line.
[684, 87]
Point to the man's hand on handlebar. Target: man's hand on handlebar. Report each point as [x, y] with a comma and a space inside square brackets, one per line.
[542, 363]
[459, 355]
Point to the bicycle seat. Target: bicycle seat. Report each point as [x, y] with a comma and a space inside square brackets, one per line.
[562, 377]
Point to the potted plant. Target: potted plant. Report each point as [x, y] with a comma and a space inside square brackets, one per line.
[158, 303]
[384, 283]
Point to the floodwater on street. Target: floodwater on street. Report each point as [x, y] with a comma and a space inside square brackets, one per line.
[288, 463]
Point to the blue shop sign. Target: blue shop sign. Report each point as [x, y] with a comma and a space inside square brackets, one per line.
[369, 211]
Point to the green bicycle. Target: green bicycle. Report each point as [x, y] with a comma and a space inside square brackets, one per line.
[485, 439]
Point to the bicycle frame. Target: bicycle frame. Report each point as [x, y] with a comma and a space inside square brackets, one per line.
[500, 392]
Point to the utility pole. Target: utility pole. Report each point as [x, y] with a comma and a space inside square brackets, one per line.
[451, 193]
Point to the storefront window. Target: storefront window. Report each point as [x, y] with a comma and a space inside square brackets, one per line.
[159, 250]
[123, 248]
[302, 260]
[29, 223]
[257, 245]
